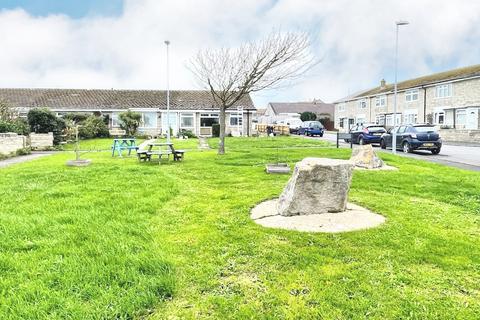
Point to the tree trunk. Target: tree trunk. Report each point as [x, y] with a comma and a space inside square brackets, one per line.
[221, 145]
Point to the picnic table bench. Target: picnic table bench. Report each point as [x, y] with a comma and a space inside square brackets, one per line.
[123, 144]
[164, 149]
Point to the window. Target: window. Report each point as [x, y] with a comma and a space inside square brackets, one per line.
[411, 95]
[236, 119]
[381, 101]
[389, 119]
[461, 117]
[149, 119]
[115, 122]
[362, 104]
[380, 119]
[208, 119]
[443, 90]
[410, 118]
[401, 129]
[341, 107]
[186, 120]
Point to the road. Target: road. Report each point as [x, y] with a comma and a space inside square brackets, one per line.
[464, 157]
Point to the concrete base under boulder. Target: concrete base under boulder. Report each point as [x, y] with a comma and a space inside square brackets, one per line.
[354, 218]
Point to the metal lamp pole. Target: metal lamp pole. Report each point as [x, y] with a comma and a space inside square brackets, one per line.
[394, 137]
[168, 94]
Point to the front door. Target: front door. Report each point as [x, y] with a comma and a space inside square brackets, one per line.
[472, 119]
[173, 123]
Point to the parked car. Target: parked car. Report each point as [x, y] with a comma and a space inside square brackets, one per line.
[366, 133]
[311, 128]
[413, 137]
[293, 124]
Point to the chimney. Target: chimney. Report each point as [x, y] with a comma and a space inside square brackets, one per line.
[383, 83]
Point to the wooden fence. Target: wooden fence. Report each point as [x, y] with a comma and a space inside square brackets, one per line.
[277, 128]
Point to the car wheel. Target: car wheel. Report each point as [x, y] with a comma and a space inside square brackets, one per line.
[406, 147]
[435, 151]
[321, 135]
[361, 141]
[382, 144]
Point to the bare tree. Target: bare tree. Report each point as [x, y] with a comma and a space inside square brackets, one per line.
[232, 74]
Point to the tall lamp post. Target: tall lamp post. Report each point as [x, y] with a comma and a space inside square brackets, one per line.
[167, 43]
[394, 137]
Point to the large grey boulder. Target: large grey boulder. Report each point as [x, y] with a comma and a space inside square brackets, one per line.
[318, 185]
[365, 157]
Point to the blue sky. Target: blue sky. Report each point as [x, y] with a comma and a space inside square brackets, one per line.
[119, 44]
[72, 8]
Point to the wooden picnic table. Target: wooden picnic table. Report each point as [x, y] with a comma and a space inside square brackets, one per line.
[160, 150]
[123, 144]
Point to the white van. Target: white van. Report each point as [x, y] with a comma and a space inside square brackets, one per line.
[293, 123]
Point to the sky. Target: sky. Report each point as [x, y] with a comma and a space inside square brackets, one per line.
[120, 44]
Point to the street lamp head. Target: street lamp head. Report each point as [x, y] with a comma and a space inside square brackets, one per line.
[167, 42]
[402, 23]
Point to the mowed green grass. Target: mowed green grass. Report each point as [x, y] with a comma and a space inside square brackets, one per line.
[122, 239]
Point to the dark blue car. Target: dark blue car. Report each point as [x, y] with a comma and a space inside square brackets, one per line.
[311, 128]
[367, 133]
[413, 137]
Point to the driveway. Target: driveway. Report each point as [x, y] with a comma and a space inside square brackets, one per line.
[463, 157]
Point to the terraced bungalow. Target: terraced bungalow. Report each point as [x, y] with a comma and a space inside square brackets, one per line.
[192, 110]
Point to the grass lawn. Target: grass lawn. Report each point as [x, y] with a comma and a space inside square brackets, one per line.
[122, 239]
[105, 144]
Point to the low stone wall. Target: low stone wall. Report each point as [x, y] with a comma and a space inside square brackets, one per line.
[41, 141]
[456, 135]
[11, 142]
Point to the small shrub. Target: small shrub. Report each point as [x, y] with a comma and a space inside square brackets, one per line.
[187, 133]
[23, 151]
[42, 120]
[6, 126]
[130, 121]
[18, 126]
[93, 127]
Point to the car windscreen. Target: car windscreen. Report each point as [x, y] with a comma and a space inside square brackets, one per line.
[315, 125]
[425, 129]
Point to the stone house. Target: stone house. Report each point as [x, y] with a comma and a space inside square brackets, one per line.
[192, 110]
[449, 99]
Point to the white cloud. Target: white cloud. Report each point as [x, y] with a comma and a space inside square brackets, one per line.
[354, 39]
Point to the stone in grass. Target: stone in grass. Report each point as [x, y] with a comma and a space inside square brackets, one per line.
[365, 157]
[79, 163]
[279, 168]
[318, 185]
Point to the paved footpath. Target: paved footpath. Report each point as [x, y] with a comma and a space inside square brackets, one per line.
[20, 159]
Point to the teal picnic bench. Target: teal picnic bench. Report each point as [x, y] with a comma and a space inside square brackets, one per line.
[123, 144]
